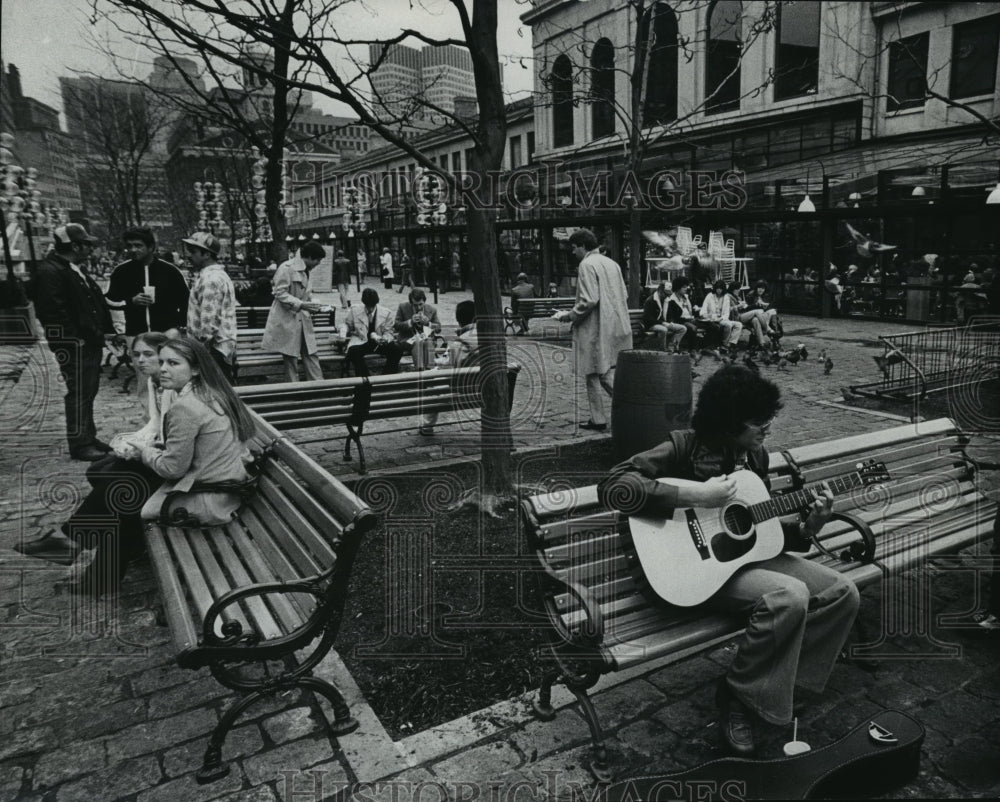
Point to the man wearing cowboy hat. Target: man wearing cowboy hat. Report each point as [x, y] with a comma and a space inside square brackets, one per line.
[211, 316]
[76, 318]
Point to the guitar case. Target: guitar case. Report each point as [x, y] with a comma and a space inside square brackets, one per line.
[881, 753]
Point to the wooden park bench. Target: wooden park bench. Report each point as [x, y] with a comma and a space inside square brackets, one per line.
[251, 355]
[244, 598]
[255, 317]
[604, 618]
[356, 400]
[534, 308]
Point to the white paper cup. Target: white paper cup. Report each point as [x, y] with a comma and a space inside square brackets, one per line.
[150, 290]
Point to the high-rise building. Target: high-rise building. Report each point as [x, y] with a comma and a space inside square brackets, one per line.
[404, 78]
[120, 130]
[41, 143]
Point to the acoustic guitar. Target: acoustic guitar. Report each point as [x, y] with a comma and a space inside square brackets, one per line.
[688, 557]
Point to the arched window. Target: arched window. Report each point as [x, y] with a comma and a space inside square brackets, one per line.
[602, 88]
[722, 68]
[661, 73]
[562, 102]
[796, 56]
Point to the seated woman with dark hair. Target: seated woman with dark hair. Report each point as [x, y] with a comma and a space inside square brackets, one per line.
[799, 612]
[718, 313]
[758, 313]
[203, 443]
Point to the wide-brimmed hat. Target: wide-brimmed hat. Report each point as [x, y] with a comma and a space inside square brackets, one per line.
[71, 232]
[205, 241]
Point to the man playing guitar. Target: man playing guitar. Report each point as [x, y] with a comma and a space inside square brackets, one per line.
[800, 613]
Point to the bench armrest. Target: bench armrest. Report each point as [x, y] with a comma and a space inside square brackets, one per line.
[232, 631]
[591, 633]
[860, 550]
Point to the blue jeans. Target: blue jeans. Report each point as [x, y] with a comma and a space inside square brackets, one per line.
[800, 616]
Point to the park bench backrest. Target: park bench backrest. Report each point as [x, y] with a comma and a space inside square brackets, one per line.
[319, 403]
[255, 317]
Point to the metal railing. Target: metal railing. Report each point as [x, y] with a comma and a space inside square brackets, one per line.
[915, 364]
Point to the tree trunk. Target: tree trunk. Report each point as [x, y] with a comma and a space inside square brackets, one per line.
[634, 253]
[497, 442]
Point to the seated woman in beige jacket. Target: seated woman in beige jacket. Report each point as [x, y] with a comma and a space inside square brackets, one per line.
[204, 435]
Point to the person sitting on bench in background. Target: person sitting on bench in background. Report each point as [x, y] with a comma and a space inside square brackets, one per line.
[717, 314]
[680, 311]
[800, 612]
[461, 352]
[416, 316]
[654, 320]
[371, 330]
[522, 289]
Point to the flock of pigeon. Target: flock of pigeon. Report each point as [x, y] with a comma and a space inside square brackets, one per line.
[777, 358]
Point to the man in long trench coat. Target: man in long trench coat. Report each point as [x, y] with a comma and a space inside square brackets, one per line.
[601, 326]
[289, 329]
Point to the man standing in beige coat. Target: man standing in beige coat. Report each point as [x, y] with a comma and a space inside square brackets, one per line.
[601, 326]
[289, 329]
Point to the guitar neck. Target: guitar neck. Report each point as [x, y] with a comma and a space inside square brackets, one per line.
[789, 503]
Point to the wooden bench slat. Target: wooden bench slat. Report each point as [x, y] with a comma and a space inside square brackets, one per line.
[183, 628]
[253, 607]
[320, 520]
[663, 643]
[585, 550]
[188, 569]
[565, 501]
[872, 441]
[213, 573]
[289, 615]
[277, 527]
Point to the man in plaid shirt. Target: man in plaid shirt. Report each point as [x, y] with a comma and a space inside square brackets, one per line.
[211, 317]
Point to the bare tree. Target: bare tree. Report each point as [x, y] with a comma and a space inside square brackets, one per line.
[311, 54]
[644, 122]
[869, 51]
[115, 126]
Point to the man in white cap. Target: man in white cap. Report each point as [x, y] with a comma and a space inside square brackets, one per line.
[211, 316]
[76, 318]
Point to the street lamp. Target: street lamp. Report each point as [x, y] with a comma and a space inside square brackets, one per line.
[19, 199]
[432, 210]
[353, 221]
[209, 203]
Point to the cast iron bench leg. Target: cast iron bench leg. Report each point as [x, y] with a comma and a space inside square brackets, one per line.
[343, 721]
[599, 767]
[355, 435]
[213, 768]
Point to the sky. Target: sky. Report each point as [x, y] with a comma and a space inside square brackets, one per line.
[49, 38]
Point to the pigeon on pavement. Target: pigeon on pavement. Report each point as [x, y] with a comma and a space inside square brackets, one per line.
[827, 366]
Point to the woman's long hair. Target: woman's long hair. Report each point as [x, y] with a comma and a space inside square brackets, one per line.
[211, 385]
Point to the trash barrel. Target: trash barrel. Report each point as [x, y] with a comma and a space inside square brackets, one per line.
[652, 397]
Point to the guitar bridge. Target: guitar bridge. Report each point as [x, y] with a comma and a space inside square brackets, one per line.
[697, 535]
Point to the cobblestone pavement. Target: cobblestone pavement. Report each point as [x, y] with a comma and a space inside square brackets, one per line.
[95, 709]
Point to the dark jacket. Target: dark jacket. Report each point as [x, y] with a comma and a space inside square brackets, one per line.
[170, 309]
[652, 311]
[70, 303]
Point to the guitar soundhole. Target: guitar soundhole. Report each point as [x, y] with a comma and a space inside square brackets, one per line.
[739, 521]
